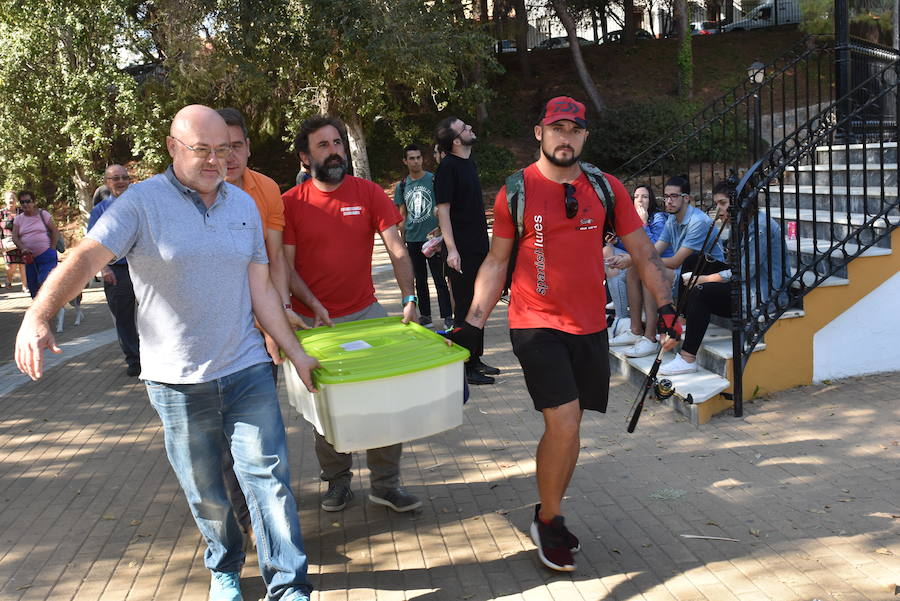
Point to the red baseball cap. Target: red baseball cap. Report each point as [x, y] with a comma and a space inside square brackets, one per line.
[564, 107]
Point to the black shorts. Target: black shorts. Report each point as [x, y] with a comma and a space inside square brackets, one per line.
[560, 367]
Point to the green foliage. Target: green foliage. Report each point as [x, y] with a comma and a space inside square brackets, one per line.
[494, 163]
[817, 16]
[685, 63]
[69, 106]
[623, 133]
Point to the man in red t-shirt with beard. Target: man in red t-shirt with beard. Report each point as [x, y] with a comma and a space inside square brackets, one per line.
[557, 304]
[330, 223]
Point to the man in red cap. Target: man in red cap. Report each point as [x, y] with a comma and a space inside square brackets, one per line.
[556, 312]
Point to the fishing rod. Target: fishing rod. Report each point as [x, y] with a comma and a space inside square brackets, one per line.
[664, 388]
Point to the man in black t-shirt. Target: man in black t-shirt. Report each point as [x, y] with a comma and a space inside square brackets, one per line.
[463, 225]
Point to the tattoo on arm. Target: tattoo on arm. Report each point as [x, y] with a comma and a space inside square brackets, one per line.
[477, 313]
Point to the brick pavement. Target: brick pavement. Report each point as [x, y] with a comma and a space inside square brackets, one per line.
[808, 482]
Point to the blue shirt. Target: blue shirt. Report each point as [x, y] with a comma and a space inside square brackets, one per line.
[96, 212]
[691, 233]
[189, 265]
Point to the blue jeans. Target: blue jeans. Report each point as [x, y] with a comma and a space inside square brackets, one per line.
[240, 409]
[37, 272]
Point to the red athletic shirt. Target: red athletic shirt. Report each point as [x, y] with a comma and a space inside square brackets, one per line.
[334, 236]
[559, 275]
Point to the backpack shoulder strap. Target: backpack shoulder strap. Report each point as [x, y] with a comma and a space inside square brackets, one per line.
[403, 188]
[515, 200]
[604, 192]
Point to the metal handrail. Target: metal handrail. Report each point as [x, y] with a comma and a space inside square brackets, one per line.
[752, 317]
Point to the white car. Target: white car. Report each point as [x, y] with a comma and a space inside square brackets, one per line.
[764, 16]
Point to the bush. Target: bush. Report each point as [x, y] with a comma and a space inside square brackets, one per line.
[621, 134]
[494, 163]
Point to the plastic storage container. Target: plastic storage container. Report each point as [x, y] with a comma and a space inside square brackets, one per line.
[380, 382]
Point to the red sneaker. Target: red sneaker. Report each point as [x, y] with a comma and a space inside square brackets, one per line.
[552, 546]
[572, 541]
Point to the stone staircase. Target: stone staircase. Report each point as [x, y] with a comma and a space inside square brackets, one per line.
[864, 180]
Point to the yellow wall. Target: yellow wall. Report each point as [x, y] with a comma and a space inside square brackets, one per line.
[787, 360]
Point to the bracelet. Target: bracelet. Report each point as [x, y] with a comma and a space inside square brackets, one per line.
[288, 306]
[412, 298]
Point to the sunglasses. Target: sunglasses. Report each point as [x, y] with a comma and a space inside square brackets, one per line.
[571, 201]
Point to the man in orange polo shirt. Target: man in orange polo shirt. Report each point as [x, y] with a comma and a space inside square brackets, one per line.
[267, 196]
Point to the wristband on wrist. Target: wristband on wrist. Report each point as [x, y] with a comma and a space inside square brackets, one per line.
[412, 298]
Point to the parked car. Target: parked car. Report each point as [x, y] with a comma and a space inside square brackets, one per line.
[764, 16]
[560, 42]
[704, 28]
[506, 46]
[616, 36]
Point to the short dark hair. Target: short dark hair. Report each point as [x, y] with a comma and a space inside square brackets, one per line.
[411, 148]
[444, 134]
[24, 193]
[682, 182]
[724, 187]
[314, 124]
[233, 116]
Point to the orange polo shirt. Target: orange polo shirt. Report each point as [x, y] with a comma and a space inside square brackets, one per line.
[267, 196]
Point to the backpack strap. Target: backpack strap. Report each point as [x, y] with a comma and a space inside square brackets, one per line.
[403, 189]
[604, 192]
[515, 201]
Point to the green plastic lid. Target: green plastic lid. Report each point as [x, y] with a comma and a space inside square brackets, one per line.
[376, 348]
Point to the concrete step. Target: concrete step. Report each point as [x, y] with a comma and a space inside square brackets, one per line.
[867, 175]
[822, 225]
[868, 200]
[873, 152]
[825, 257]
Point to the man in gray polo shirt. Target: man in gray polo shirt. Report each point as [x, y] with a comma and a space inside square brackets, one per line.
[187, 234]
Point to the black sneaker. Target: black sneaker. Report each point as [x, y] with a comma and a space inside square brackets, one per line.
[484, 368]
[571, 540]
[552, 547]
[396, 498]
[337, 497]
[448, 323]
[425, 321]
[475, 377]
[133, 370]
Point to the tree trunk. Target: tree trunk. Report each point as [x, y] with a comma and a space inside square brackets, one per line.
[628, 30]
[685, 57]
[587, 83]
[358, 155]
[594, 24]
[604, 29]
[729, 11]
[483, 11]
[481, 112]
[85, 191]
[522, 38]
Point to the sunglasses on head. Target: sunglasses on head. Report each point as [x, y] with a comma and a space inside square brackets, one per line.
[571, 201]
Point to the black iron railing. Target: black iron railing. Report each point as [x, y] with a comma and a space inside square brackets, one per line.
[832, 186]
[820, 171]
[735, 130]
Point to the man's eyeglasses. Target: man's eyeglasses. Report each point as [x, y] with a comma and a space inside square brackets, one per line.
[25, 201]
[571, 201]
[203, 152]
[119, 178]
[671, 197]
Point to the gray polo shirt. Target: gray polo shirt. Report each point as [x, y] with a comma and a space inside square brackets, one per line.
[189, 269]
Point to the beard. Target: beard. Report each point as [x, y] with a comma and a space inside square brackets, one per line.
[330, 171]
[561, 162]
[469, 142]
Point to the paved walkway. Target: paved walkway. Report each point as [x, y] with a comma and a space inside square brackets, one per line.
[808, 482]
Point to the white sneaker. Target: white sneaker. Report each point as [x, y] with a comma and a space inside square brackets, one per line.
[626, 338]
[676, 366]
[619, 325]
[642, 348]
